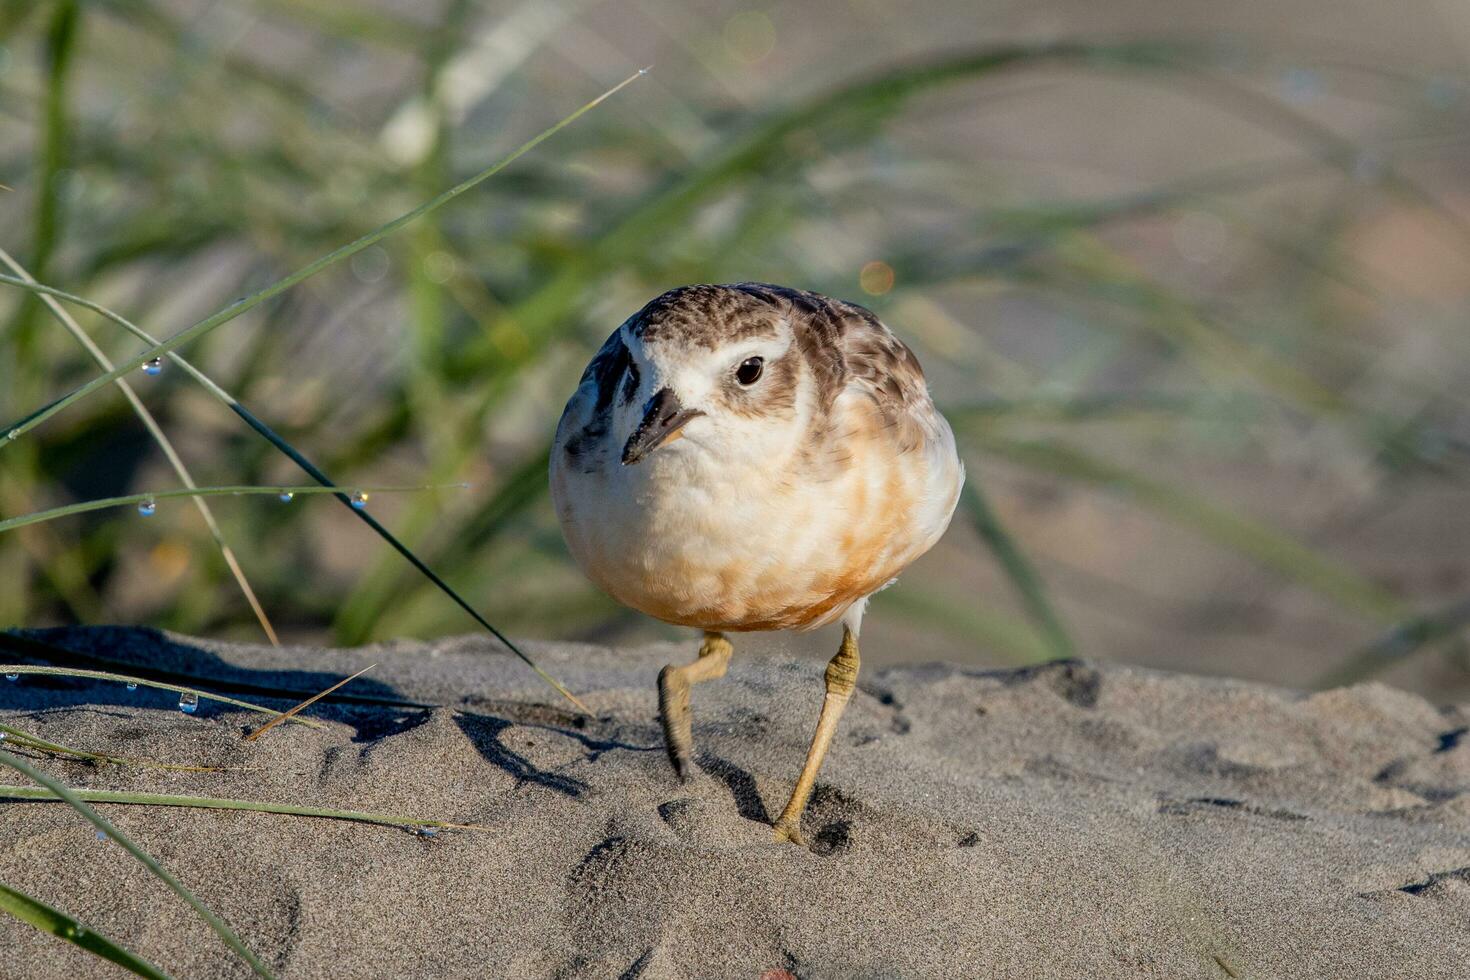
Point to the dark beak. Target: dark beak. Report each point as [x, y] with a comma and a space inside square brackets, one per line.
[663, 418]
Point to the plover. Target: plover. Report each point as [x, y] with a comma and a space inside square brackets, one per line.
[752, 457]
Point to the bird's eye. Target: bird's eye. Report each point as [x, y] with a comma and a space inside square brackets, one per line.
[749, 371]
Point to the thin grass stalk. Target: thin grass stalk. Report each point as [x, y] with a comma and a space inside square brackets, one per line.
[61, 37]
[103, 675]
[1397, 644]
[164, 444]
[292, 712]
[1004, 637]
[47, 918]
[24, 739]
[103, 824]
[226, 803]
[235, 309]
[1023, 575]
[102, 503]
[311, 469]
[1269, 547]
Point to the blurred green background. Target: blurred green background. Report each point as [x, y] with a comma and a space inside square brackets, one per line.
[1191, 281]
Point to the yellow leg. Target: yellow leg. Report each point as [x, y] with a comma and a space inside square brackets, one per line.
[673, 696]
[841, 678]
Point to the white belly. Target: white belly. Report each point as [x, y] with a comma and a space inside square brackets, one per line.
[690, 541]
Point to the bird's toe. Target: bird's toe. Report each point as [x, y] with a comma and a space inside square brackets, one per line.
[788, 832]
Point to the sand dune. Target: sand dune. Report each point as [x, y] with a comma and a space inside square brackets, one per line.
[1065, 821]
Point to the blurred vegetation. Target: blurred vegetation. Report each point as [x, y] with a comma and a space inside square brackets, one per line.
[165, 159]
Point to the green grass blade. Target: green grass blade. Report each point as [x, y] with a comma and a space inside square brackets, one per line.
[256, 423]
[102, 503]
[103, 675]
[24, 739]
[1404, 640]
[14, 431]
[311, 469]
[224, 803]
[103, 824]
[1009, 636]
[60, 50]
[48, 919]
[1269, 547]
[1023, 575]
[164, 444]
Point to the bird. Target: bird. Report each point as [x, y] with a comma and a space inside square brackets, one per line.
[752, 457]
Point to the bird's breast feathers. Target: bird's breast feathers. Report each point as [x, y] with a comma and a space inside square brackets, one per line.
[698, 538]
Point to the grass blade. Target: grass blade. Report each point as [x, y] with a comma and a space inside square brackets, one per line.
[1269, 547]
[102, 675]
[1393, 647]
[223, 316]
[62, 926]
[305, 704]
[1007, 638]
[1018, 569]
[24, 739]
[224, 803]
[84, 506]
[27, 647]
[311, 469]
[103, 824]
[164, 444]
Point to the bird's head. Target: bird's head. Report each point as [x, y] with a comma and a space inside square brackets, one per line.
[716, 368]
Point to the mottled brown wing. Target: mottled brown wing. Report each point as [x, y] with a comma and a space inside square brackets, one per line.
[848, 348]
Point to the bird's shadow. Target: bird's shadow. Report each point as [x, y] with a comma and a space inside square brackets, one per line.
[486, 733]
[373, 708]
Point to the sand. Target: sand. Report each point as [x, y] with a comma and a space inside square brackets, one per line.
[1071, 820]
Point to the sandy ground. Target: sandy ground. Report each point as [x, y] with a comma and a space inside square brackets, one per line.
[1063, 821]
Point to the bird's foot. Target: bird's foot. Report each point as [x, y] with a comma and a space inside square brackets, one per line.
[673, 710]
[789, 831]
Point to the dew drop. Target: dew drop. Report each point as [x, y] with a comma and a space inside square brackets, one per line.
[147, 507]
[427, 831]
[4, 736]
[359, 500]
[286, 497]
[12, 677]
[188, 702]
[153, 367]
[132, 685]
[102, 835]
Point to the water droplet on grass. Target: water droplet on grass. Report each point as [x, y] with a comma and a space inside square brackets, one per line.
[359, 500]
[102, 835]
[132, 685]
[153, 367]
[4, 736]
[286, 497]
[12, 677]
[427, 831]
[147, 508]
[188, 702]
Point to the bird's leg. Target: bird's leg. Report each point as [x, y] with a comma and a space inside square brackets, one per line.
[841, 678]
[673, 696]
